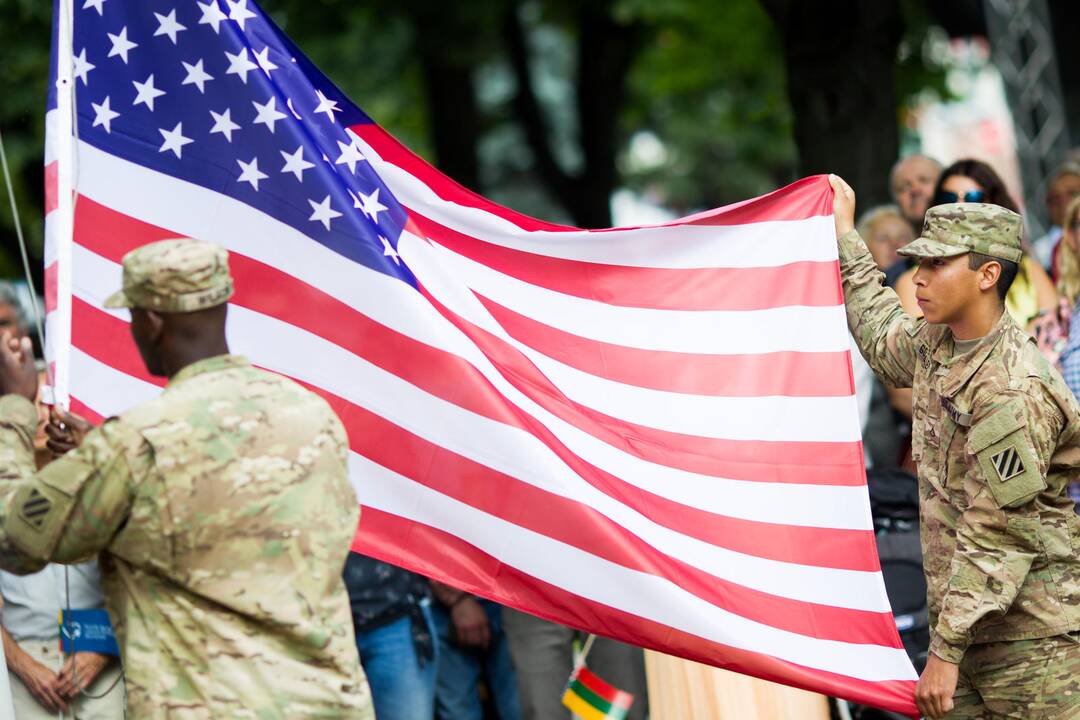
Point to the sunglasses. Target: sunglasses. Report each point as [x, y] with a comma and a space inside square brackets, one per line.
[945, 197]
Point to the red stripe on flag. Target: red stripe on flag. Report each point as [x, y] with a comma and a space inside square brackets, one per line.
[51, 186]
[805, 198]
[449, 559]
[794, 374]
[99, 335]
[812, 284]
[51, 288]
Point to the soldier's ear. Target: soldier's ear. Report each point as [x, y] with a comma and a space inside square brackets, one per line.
[989, 274]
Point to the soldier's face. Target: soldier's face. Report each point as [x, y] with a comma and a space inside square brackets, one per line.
[946, 288]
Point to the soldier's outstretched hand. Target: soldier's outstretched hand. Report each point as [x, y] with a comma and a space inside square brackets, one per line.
[18, 374]
[843, 205]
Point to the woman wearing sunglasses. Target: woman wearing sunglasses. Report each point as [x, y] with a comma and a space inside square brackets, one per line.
[1032, 300]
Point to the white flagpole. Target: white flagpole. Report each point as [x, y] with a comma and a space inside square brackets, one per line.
[61, 140]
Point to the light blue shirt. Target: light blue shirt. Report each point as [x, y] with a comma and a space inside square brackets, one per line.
[32, 603]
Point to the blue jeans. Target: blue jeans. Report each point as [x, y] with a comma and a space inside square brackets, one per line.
[457, 695]
[401, 687]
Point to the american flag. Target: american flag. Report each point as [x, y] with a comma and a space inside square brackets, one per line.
[649, 432]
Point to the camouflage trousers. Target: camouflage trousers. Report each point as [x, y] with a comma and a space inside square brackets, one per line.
[1029, 679]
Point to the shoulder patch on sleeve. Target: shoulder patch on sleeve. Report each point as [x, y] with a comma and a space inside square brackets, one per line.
[1007, 463]
[1005, 456]
[35, 508]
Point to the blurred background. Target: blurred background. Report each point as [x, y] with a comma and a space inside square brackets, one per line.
[617, 112]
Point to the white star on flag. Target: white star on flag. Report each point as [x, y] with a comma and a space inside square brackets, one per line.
[146, 92]
[212, 15]
[167, 25]
[389, 251]
[238, 11]
[223, 124]
[350, 155]
[263, 59]
[239, 64]
[196, 75]
[268, 114]
[371, 205]
[96, 4]
[82, 66]
[174, 139]
[288, 103]
[295, 163]
[104, 115]
[322, 212]
[327, 106]
[251, 173]
[121, 45]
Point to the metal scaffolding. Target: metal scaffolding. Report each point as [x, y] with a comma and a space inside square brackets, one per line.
[1023, 51]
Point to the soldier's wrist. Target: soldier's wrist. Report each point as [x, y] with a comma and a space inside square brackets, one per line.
[851, 246]
[949, 652]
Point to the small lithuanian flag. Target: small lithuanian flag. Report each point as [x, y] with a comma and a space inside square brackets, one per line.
[590, 698]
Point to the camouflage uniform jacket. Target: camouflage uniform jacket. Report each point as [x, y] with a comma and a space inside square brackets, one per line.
[223, 515]
[996, 436]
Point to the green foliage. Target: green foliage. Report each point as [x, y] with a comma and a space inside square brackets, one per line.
[710, 87]
[24, 72]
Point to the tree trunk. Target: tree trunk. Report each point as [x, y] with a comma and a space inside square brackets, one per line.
[840, 56]
[453, 116]
[606, 50]
[1064, 19]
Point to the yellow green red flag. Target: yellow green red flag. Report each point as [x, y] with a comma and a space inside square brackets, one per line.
[590, 698]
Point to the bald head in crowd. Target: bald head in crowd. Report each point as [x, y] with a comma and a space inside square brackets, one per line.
[911, 183]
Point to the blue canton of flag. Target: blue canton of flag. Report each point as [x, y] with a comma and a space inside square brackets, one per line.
[212, 92]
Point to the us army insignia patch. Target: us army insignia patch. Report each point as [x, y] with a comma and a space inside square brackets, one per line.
[35, 508]
[1007, 463]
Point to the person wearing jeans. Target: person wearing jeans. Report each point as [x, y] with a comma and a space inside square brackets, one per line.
[472, 647]
[391, 610]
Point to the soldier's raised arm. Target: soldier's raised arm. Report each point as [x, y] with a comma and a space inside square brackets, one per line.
[884, 332]
[69, 510]
[998, 535]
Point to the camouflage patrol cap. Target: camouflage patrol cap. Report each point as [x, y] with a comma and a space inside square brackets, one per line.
[958, 228]
[177, 275]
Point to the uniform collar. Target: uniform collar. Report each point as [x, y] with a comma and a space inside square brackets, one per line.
[207, 365]
[956, 370]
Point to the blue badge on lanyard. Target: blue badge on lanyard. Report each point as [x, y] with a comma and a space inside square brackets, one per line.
[87, 631]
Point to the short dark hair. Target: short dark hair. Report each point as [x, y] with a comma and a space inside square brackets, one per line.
[1008, 271]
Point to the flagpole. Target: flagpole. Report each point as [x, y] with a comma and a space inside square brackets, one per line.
[62, 225]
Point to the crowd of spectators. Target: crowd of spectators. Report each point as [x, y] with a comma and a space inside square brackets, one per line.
[1043, 298]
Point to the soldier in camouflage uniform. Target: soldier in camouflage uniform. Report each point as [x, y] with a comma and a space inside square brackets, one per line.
[996, 435]
[221, 511]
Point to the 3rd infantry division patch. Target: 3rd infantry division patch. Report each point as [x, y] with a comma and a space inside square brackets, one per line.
[35, 508]
[1007, 463]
